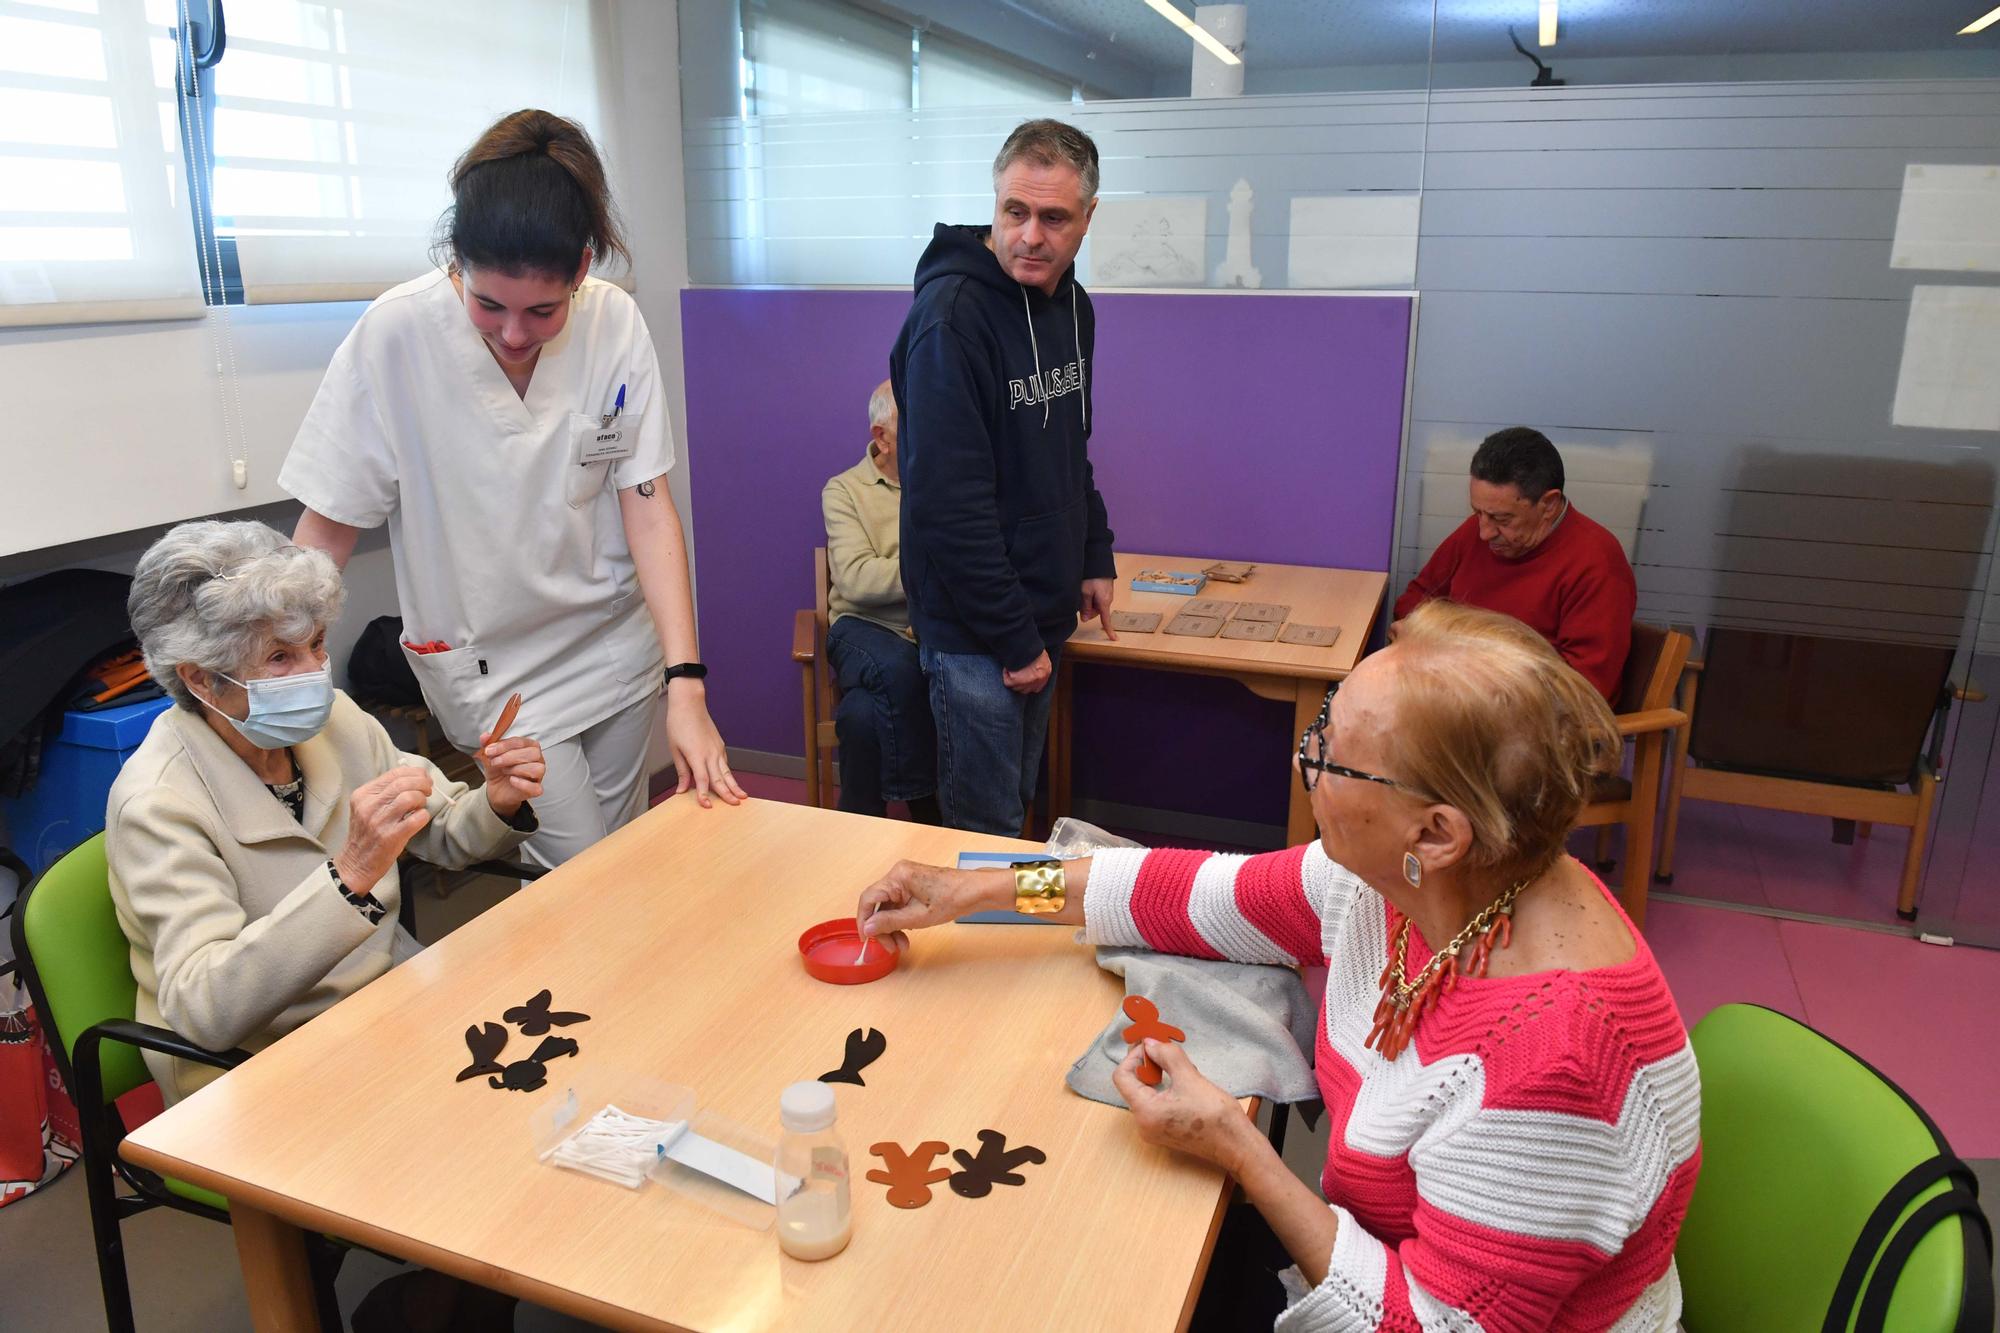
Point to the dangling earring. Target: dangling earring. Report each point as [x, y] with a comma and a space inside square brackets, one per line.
[1413, 869]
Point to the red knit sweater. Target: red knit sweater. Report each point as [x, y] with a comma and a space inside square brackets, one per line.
[1524, 1165]
[1575, 590]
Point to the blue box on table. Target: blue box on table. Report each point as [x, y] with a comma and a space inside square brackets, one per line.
[66, 804]
[1180, 582]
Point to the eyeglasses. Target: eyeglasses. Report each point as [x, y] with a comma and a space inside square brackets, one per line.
[1312, 753]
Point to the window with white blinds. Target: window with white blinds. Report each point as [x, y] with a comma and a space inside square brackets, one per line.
[337, 120]
[952, 73]
[94, 222]
[804, 56]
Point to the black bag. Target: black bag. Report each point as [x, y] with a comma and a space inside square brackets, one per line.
[377, 671]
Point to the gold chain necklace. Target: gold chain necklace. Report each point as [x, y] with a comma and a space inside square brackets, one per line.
[1405, 1001]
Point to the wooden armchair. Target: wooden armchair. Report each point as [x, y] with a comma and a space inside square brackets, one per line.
[817, 687]
[1817, 726]
[1646, 713]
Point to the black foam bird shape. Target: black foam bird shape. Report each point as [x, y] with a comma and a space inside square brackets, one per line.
[531, 1073]
[488, 1041]
[864, 1048]
[485, 1043]
[534, 1018]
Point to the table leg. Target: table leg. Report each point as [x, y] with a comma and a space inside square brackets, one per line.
[276, 1277]
[1299, 825]
[1060, 733]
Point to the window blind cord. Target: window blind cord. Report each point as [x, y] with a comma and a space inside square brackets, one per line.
[221, 329]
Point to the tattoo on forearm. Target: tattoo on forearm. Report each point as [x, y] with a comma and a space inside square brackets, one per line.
[647, 490]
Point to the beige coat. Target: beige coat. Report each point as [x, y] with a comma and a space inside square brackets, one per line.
[238, 931]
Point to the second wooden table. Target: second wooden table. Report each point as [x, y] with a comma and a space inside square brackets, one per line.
[1349, 599]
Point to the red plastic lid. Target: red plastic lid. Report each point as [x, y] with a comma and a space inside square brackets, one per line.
[833, 951]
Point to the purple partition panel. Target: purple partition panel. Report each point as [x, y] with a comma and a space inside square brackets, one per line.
[1242, 427]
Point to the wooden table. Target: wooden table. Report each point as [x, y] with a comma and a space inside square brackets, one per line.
[1348, 598]
[678, 935]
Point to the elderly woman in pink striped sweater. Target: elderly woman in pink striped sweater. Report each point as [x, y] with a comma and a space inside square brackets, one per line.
[1514, 1105]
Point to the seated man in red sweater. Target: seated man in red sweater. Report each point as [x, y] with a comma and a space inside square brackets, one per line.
[1526, 553]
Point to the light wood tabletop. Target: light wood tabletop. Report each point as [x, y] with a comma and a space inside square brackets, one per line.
[1348, 599]
[678, 936]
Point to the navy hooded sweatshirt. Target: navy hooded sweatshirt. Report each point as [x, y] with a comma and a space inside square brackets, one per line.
[1001, 519]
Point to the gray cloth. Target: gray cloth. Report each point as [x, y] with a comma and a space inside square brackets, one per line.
[1249, 1026]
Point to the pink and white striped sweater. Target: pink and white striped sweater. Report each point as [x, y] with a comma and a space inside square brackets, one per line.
[1525, 1164]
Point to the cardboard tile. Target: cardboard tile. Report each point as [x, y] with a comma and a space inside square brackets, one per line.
[1257, 631]
[1312, 636]
[1270, 611]
[1194, 626]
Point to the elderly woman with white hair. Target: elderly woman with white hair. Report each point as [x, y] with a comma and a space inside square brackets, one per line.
[253, 836]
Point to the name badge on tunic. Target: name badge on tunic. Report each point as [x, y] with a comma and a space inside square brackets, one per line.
[604, 444]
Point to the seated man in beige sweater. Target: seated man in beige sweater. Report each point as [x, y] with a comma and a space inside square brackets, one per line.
[888, 743]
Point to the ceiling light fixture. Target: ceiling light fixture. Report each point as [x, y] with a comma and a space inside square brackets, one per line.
[1187, 25]
[1980, 24]
[1548, 33]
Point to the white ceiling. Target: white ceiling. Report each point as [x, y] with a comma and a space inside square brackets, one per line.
[1286, 34]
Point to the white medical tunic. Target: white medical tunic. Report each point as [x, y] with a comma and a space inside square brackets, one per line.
[502, 509]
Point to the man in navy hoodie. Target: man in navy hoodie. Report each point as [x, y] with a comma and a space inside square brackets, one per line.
[1004, 536]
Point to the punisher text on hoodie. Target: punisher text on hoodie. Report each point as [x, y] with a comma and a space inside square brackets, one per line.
[1001, 519]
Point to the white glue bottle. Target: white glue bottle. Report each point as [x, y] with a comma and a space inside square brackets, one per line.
[815, 1219]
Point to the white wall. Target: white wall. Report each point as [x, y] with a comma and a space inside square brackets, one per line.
[111, 433]
[644, 142]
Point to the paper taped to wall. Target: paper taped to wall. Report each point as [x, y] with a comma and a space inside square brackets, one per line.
[1149, 242]
[1353, 241]
[1949, 217]
[1950, 348]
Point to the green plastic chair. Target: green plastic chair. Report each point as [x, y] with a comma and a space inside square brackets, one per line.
[78, 969]
[1827, 1201]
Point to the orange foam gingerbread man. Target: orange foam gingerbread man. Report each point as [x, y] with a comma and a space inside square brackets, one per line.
[1145, 1016]
[910, 1174]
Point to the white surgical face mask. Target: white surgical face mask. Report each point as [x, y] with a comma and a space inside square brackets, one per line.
[284, 710]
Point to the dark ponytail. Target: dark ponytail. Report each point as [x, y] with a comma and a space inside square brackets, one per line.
[528, 197]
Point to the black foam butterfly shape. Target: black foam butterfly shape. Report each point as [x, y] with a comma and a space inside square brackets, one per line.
[993, 1166]
[534, 1018]
[486, 1043]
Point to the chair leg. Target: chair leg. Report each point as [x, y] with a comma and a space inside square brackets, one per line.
[1676, 776]
[1863, 828]
[1633, 886]
[812, 739]
[1913, 860]
[324, 1258]
[1603, 853]
[101, 1191]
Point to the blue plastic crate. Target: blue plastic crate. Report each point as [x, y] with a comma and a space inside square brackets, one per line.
[66, 805]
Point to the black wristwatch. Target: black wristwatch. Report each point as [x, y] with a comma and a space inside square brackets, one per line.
[690, 670]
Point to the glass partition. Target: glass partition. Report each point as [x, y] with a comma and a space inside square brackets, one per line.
[1740, 262]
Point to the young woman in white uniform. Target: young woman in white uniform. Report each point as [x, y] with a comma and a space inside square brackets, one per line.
[504, 416]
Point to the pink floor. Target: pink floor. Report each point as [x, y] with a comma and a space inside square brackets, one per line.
[1922, 1014]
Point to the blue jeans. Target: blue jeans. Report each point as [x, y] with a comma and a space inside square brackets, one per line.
[888, 751]
[989, 741]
